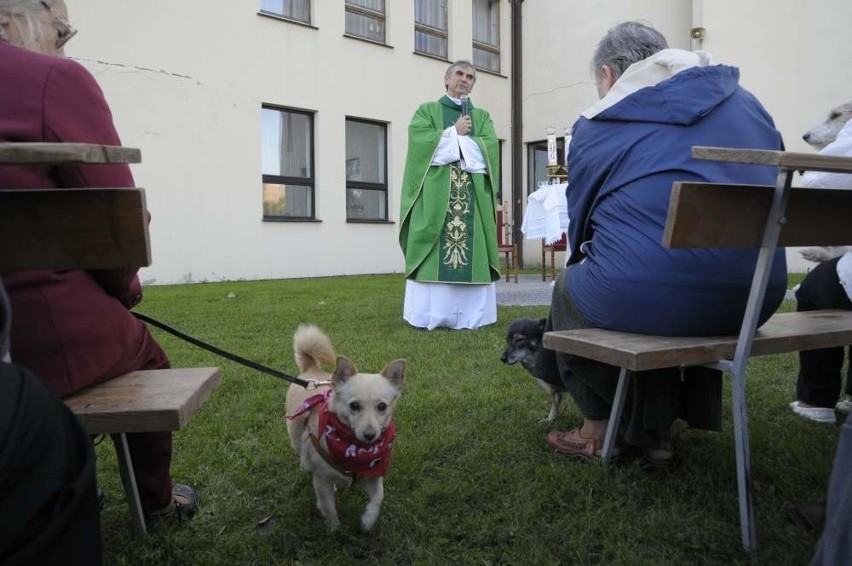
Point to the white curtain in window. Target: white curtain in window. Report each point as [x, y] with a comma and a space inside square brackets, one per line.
[431, 13]
[485, 24]
[296, 9]
[375, 5]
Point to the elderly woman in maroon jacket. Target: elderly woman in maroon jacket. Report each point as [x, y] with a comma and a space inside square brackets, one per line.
[74, 328]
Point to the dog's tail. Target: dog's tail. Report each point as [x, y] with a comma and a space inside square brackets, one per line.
[311, 348]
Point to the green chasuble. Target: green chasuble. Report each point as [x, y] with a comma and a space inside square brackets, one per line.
[448, 218]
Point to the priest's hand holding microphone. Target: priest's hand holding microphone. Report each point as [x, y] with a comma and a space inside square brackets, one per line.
[464, 123]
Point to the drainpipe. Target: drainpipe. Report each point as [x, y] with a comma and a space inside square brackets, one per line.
[517, 131]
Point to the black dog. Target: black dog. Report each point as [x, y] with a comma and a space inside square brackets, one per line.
[523, 341]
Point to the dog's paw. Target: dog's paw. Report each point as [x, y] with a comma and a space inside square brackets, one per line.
[548, 420]
[821, 254]
[368, 519]
[332, 528]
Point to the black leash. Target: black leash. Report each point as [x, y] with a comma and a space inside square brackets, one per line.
[309, 384]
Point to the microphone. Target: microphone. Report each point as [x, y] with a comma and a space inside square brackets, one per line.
[464, 109]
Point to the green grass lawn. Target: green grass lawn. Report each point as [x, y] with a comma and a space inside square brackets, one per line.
[472, 480]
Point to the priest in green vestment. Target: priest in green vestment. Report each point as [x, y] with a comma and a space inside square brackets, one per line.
[448, 227]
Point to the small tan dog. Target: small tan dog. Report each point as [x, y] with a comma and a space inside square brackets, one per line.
[343, 432]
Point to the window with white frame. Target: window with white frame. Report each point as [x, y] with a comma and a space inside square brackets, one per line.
[366, 170]
[486, 35]
[288, 164]
[430, 27]
[297, 10]
[366, 19]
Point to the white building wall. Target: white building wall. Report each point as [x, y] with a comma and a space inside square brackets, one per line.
[186, 81]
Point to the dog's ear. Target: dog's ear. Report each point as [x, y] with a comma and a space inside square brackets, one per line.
[343, 370]
[395, 372]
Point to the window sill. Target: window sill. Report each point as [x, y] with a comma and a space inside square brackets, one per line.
[291, 219]
[279, 17]
[489, 72]
[368, 221]
[365, 40]
[430, 56]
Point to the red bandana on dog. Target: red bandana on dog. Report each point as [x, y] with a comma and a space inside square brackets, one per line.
[344, 448]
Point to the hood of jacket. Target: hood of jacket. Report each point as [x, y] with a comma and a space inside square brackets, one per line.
[672, 86]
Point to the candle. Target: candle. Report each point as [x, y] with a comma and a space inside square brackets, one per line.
[551, 146]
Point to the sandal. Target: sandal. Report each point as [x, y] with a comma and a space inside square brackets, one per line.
[182, 508]
[571, 443]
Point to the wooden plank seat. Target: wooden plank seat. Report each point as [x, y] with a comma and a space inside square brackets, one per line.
[145, 401]
[784, 332]
[68, 228]
[142, 401]
[728, 215]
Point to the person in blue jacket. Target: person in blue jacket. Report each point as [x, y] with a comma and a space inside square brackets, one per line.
[625, 153]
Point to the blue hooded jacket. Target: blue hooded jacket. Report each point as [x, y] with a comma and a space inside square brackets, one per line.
[622, 163]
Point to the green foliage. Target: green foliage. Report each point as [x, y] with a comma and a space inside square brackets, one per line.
[472, 480]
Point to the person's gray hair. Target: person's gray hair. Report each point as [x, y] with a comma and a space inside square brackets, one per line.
[26, 11]
[461, 63]
[625, 44]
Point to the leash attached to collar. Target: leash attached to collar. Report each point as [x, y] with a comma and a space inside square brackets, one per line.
[309, 384]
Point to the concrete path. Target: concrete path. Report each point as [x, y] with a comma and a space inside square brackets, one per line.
[530, 290]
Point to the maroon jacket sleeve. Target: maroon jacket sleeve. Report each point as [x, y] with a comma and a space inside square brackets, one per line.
[76, 111]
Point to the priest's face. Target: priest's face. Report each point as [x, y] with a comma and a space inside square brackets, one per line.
[459, 81]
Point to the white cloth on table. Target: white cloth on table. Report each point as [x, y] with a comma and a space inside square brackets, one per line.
[546, 216]
[449, 305]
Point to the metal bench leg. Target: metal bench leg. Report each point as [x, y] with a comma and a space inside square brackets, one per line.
[757, 293]
[744, 480]
[128, 478]
[615, 415]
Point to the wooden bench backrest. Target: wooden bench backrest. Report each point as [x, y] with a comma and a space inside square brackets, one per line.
[70, 228]
[61, 229]
[708, 215]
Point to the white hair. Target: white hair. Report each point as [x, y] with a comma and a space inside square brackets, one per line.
[24, 11]
[625, 44]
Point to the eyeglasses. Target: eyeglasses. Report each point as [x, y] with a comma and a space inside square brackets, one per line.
[65, 30]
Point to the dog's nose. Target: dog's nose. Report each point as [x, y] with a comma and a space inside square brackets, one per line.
[807, 137]
[369, 435]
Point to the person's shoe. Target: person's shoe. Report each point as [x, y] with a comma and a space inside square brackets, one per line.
[844, 406]
[570, 443]
[182, 508]
[816, 414]
[657, 450]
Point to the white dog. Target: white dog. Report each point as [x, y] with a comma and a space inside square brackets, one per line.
[343, 432]
[826, 132]
[831, 137]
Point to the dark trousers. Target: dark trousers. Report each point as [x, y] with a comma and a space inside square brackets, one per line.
[820, 371]
[835, 545]
[151, 452]
[656, 398]
[48, 505]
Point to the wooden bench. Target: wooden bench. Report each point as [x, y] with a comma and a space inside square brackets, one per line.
[60, 229]
[142, 401]
[714, 216]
